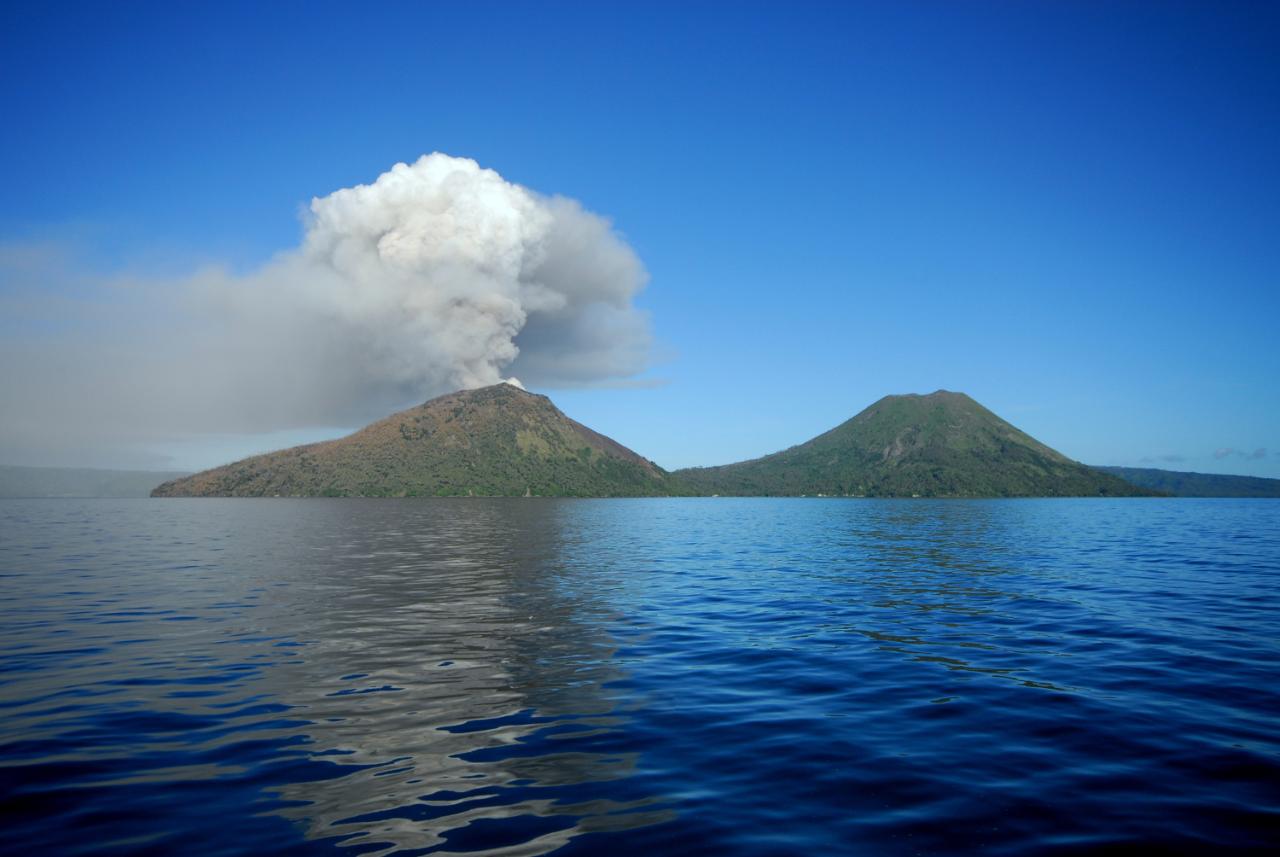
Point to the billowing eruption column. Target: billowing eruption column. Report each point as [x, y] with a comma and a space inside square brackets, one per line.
[444, 269]
[437, 276]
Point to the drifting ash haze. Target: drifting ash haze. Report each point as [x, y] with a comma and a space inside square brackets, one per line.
[439, 275]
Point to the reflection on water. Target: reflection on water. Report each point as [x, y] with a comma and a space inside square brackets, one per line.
[686, 676]
[481, 676]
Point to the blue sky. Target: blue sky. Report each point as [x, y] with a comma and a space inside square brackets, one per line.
[1069, 211]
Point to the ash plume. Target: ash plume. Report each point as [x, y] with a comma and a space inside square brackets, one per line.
[438, 275]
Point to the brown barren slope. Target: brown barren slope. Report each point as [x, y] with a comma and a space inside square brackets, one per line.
[494, 441]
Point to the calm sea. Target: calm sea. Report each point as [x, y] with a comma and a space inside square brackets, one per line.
[523, 677]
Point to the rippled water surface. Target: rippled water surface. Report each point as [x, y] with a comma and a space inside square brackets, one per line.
[639, 676]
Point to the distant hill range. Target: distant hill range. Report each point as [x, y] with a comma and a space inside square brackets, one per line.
[79, 482]
[1183, 484]
[494, 441]
[941, 445]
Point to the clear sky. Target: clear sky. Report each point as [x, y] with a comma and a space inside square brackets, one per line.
[1070, 211]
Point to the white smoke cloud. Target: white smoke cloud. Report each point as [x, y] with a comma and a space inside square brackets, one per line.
[439, 275]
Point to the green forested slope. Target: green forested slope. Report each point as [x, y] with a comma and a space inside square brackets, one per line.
[940, 445]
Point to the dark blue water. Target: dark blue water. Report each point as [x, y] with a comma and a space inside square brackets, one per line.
[639, 676]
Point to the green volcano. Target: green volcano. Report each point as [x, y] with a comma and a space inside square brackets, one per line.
[940, 445]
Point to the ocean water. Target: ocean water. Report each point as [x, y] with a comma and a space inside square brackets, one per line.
[693, 676]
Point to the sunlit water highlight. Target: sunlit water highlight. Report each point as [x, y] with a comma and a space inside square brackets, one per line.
[523, 677]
